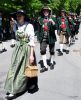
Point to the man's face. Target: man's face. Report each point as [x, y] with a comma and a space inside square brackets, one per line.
[20, 18]
[46, 12]
[75, 16]
[69, 17]
[62, 14]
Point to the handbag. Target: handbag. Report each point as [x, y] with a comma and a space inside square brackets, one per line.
[31, 71]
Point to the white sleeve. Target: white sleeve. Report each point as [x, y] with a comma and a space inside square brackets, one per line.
[30, 33]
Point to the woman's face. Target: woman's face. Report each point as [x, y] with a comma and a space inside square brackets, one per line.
[20, 18]
[46, 13]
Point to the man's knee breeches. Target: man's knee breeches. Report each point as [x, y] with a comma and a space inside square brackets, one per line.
[63, 38]
[51, 48]
[43, 46]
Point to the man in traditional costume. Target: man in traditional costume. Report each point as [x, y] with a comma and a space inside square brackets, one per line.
[64, 33]
[46, 36]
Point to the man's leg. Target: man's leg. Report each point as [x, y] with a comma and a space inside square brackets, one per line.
[52, 55]
[67, 44]
[12, 43]
[61, 44]
[13, 39]
[43, 46]
[2, 47]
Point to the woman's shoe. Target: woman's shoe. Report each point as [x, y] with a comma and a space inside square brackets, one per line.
[10, 96]
[33, 89]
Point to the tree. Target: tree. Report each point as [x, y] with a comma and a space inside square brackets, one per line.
[34, 6]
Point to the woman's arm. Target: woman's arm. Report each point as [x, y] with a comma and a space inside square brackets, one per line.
[31, 59]
[30, 32]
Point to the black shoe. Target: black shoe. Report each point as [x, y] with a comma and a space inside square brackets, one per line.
[43, 70]
[60, 53]
[13, 45]
[67, 51]
[64, 50]
[1, 51]
[4, 50]
[46, 69]
[76, 38]
[33, 89]
[52, 65]
[7, 93]
[73, 40]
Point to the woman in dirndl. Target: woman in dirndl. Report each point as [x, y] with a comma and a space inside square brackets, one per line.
[16, 80]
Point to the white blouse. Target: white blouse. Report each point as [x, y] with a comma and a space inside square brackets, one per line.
[29, 31]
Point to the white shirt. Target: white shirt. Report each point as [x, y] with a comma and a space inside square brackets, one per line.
[28, 32]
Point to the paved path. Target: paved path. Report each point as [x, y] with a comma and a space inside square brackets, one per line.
[62, 83]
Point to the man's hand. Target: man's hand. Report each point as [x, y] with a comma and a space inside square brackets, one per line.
[50, 20]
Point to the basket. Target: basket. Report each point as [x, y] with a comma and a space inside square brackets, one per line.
[31, 71]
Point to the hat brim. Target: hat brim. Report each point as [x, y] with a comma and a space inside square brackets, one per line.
[21, 14]
[17, 13]
[63, 11]
[46, 9]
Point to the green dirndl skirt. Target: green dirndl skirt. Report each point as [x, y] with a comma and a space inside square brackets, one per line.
[16, 80]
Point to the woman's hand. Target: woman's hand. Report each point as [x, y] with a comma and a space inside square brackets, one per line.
[31, 59]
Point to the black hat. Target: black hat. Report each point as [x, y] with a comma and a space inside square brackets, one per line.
[21, 12]
[13, 14]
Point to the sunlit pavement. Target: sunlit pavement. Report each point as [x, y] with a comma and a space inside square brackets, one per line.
[62, 83]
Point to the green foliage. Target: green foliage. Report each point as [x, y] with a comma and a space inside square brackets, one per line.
[34, 6]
